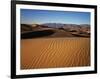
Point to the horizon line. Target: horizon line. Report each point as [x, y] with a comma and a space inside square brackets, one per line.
[55, 23]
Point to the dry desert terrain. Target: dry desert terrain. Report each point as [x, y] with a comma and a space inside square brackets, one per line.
[55, 52]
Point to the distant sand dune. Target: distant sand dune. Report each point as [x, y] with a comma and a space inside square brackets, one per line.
[55, 52]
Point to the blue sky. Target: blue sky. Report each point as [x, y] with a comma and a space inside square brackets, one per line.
[30, 16]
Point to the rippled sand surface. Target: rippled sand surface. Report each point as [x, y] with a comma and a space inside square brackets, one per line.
[55, 53]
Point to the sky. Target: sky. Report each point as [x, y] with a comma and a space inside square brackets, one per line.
[31, 16]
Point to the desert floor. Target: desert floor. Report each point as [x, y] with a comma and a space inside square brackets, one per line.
[55, 52]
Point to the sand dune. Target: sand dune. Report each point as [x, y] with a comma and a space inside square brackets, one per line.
[54, 30]
[55, 52]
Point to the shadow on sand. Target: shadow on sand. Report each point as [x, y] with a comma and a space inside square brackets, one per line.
[36, 34]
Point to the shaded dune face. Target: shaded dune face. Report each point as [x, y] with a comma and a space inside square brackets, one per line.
[35, 34]
[55, 53]
[26, 27]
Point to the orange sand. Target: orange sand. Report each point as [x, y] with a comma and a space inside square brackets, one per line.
[55, 52]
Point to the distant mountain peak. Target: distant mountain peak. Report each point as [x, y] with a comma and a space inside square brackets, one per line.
[60, 25]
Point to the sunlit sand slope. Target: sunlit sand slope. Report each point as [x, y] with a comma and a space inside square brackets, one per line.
[55, 52]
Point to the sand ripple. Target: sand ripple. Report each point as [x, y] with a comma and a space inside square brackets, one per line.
[55, 52]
